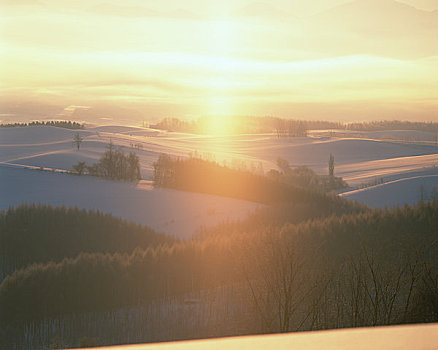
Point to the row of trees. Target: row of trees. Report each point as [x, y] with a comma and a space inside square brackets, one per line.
[248, 124]
[290, 127]
[57, 123]
[175, 124]
[383, 125]
[207, 176]
[114, 164]
[199, 175]
[373, 268]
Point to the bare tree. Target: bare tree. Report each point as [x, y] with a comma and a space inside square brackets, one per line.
[376, 290]
[80, 167]
[77, 140]
[284, 282]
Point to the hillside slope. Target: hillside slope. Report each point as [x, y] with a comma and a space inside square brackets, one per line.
[173, 212]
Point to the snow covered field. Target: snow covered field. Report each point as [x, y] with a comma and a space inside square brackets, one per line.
[368, 158]
[173, 212]
[419, 337]
[411, 189]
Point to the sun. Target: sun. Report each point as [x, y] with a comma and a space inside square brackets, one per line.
[219, 106]
[220, 125]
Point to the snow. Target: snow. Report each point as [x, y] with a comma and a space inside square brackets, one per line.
[360, 158]
[384, 135]
[419, 337]
[367, 171]
[410, 190]
[356, 159]
[173, 212]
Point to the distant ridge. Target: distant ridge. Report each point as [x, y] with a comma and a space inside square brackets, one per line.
[359, 10]
[140, 11]
[406, 33]
[262, 10]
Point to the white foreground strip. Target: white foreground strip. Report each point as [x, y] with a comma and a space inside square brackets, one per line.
[412, 337]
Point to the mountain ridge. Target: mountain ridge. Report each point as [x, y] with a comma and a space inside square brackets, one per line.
[259, 9]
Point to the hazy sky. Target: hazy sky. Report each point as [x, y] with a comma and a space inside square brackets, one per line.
[365, 59]
[299, 7]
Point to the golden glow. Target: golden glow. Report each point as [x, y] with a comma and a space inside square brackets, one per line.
[216, 61]
[220, 124]
[220, 106]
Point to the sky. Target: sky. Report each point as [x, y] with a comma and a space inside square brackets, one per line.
[134, 61]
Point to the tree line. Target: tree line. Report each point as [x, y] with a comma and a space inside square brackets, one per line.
[290, 127]
[204, 176]
[40, 233]
[384, 125]
[248, 125]
[56, 123]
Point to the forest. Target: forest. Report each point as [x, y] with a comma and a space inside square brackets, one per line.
[37, 234]
[92, 276]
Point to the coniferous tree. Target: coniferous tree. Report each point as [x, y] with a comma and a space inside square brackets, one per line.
[331, 166]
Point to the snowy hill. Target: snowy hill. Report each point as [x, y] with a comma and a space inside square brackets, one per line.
[410, 190]
[173, 212]
[360, 158]
[52, 147]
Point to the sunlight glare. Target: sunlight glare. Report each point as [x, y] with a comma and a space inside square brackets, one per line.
[224, 38]
[220, 124]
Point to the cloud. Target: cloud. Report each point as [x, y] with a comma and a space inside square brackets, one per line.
[21, 2]
[72, 109]
[18, 6]
[364, 51]
[378, 27]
